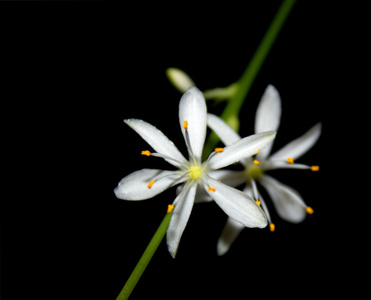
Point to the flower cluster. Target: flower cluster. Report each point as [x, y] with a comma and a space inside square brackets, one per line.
[207, 181]
[196, 177]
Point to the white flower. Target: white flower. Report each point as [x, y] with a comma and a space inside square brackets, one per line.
[147, 183]
[287, 201]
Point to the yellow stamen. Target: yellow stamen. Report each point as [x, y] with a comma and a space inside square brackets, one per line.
[185, 124]
[290, 160]
[309, 210]
[146, 152]
[258, 151]
[150, 184]
[211, 189]
[272, 227]
[258, 202]
[170, 208]
[256, 162]
[314, 168]
[194, 172]
[217, 150]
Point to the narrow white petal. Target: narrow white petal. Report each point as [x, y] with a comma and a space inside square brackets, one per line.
[236, 204]
[227, 135]
[299, 146]
[135, 185]
[229, 234]
[274, 165]
[241, 149]
[228, 177]
[158, 141]
[287, 201]
[201, 195]
[268, 115]
[192, 108]
[180, 217]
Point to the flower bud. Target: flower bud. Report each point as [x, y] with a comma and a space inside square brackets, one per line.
[179, 79]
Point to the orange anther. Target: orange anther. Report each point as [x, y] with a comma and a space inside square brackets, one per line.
[150, 184]
[211, 189]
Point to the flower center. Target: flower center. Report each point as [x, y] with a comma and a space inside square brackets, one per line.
[254, 171]
[195, 172]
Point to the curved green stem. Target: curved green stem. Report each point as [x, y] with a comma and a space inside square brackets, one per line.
[231, 112]
[146, 257]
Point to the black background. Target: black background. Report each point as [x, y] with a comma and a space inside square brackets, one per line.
[74, 72]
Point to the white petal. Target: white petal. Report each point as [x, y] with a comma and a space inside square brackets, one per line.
[228, 177]
[299, 146]
[158, 141]
[180, 218]
[135, 185]
[192, 108]
[268, 115]
[229, 234]
[241, 149]
[287, 201]
[248, 190]
[227, 135]
[236, 204]
[277, 164]
[201, 195]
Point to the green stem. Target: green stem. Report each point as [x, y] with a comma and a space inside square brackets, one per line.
[230, 113]
[145, 259]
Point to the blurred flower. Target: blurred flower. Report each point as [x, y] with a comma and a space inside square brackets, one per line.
[287, 201]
